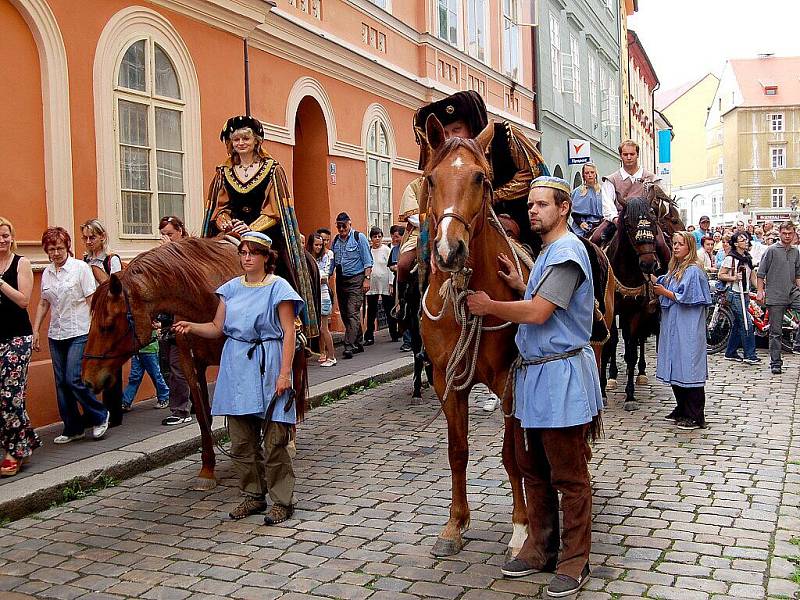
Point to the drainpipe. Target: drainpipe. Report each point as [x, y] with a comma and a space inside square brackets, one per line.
[536, 83]
[246, 79]
[653, 119]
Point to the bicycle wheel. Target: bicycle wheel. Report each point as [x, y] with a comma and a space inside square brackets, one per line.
[717, 334]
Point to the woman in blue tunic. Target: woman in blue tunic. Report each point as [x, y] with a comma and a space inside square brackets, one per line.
[682, 359]
[587, 204]
[256, 314]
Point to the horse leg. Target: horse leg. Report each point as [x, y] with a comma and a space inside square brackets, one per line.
[519, 514]
[611, 346]
[631, 349]
[417, 381]
[450, 541]
[641, 377]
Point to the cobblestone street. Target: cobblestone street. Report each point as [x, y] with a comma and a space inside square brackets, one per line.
[706, 514]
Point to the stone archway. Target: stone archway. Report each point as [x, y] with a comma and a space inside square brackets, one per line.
[310, 167]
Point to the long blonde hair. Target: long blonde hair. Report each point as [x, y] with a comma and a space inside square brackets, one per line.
[678, 268]
[5, 222]
[584, 189]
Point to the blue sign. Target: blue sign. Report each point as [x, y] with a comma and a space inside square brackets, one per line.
[665, 146]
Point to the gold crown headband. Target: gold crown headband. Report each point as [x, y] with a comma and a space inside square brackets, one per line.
[551, 182]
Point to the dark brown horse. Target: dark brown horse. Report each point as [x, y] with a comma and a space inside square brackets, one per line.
[464, 243]
[177, 278]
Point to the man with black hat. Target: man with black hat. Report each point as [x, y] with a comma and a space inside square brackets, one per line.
[250, 192]
[352, 262]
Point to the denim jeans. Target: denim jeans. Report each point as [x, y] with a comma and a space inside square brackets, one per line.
[746, 338]
[70, 389]
[141, 363]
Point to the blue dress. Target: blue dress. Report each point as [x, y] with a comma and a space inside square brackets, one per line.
[586, 208]
[251, 314]
[566, 391]
[682, 354]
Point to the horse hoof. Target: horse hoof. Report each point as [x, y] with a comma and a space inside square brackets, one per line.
[611, 384]
[203, 484]
[641, 379]
[631, 405]
[445, 547]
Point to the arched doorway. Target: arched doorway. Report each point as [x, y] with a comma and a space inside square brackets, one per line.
[310, 167]
[577, 181]
[557, 172]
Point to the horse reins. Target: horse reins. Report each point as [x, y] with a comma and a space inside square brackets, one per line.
[130, 330]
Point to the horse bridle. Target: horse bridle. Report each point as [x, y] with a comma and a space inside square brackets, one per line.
[129, 331]
[487, 193]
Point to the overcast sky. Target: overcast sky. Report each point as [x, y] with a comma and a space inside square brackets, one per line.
[685, 39]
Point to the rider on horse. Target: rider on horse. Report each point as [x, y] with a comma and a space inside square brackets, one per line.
[255, 197]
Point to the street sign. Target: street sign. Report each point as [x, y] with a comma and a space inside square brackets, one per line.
[578, 151]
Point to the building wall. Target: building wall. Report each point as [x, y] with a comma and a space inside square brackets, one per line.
[688, 117]
[596, 31]
[641, 117]
[317, 80]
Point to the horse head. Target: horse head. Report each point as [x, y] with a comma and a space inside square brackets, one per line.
[665, 209]
[116, 332]
[640, 227]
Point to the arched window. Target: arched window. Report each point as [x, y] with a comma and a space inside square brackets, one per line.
[148, 110]
[557, 172]
[379, 176]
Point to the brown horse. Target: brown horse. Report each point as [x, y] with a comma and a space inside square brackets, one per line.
[177, 278]
[465, 241]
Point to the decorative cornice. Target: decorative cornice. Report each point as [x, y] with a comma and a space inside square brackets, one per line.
[573, 17]
[239, 17]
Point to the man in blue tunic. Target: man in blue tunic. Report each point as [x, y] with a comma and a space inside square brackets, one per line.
[557, 398]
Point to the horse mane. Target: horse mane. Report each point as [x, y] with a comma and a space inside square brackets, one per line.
[637, 209]
[453, 144]
[181, 264]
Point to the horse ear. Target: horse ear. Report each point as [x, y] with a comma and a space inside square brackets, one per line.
[115, 284]
[434, 131]
[485, 137]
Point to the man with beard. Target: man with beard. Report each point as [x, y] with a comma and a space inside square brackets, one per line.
[556, 391]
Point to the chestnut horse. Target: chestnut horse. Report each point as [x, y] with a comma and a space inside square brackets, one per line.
[464, 350]
[178, 278]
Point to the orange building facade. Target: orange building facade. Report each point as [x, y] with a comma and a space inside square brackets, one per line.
[113, 108]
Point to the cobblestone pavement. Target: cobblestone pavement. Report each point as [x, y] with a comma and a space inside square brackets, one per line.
[678, 515]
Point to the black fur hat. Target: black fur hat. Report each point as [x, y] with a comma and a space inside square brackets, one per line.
[239, 122]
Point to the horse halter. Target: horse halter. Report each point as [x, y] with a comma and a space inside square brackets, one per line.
[130, 330]
[487, 193]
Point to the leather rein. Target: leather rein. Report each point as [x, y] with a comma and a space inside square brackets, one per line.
[130, 331]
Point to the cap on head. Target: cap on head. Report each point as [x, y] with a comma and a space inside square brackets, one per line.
[555, 183]
[705, 218]
[342, 217]
[235, 123]
[256, 237]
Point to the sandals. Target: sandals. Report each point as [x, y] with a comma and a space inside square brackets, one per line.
[322, 358]
[9, 467]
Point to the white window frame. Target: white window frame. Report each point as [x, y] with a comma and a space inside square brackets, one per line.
[720, 167]
[512, 40]
[778, 197]
[609, 4]
[120, 31]
[444, 36]
[593, 87]
[574, 50]
[605, 101]
[384, 4]
[478, 9]
[555, 53]
[384, 218]
[775, 121]
[777, 157]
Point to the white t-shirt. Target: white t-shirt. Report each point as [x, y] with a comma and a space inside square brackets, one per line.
[66, 290]
[727, 263]
[382, 277]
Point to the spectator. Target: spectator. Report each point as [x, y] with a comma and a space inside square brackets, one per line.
[103, 263]
[682, 358]
[146, 360]
[758, 234]
[778, 281]
[396, 233]
[717, 241]
[705, 230]
[325, 234]
[707, 255]
[67, 288]
[690, 229]
[172, 229]
[757, 249]
[768, 227]
[737, 270]
[324, 258]
[255, 377]
[723, 252]
[381, 287]
[353, 267]
[17, 436]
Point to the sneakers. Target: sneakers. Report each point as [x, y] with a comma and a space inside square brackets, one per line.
[776, 370]
[163, 403]
[492, 403]
[99, 431]
[735, 358]
[519, 568]
[331, 362]
[358, 348]
[347, 354]
[66, 439]
[405, 347]
[369, 342]
[687, 425]
[249, 506]
[672, 416]
[126, 407]
[751, 361]
[176, 420]
[564, 585]
[278, 514]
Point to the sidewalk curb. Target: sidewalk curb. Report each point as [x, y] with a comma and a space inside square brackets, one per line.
[37, 492]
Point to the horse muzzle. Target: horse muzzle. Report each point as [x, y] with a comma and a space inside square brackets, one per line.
[451, 258]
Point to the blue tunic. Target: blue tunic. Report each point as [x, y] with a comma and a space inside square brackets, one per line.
[682, 357]
[251, 313]
[563, 392]
[588, 207]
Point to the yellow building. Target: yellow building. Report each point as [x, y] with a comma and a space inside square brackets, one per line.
[754, 123]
